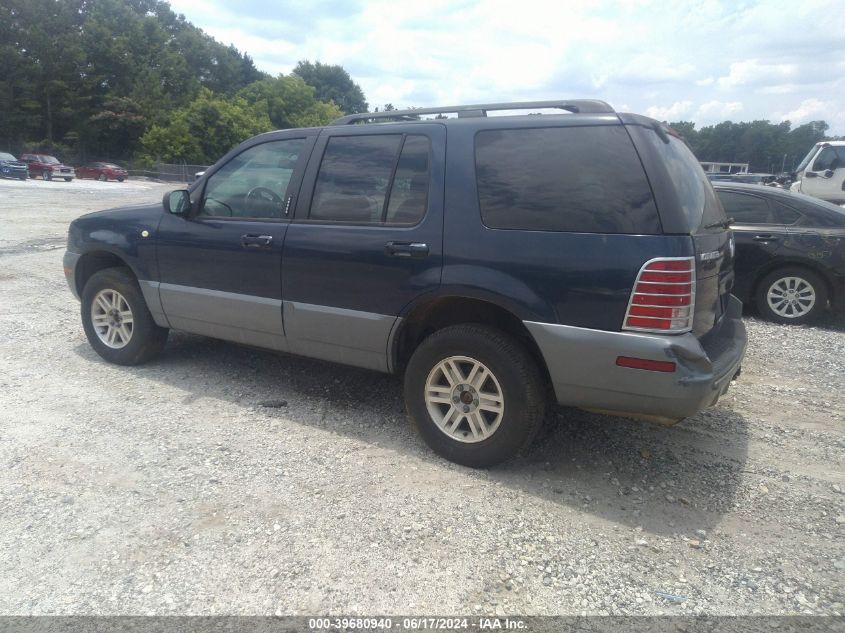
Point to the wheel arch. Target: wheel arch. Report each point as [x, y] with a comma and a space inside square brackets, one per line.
[793, 263]
[95, 261]
[439, 312]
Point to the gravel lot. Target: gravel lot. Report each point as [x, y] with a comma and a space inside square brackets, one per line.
[172, 489]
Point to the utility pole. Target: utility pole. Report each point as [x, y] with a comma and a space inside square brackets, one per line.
[783, 164]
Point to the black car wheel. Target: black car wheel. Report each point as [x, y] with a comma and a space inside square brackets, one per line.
[121, 179]
[791, 295]
[474, 394]
[102, 178]
[47, 175]
[116, 319]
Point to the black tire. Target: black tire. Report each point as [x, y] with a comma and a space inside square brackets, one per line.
[22, 177]
[817, 284]
[517, 373]
[121, 179]
[68, 179]
[147, 339]
[47, 175]
[102, 178]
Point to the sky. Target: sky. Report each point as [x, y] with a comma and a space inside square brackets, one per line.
[696, 60]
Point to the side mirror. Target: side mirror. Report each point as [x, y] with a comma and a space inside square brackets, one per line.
[810, 174]
[177, 202]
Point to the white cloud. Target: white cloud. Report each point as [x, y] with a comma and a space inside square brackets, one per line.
[674, 112]
[752, 72]
[707, 81]
[715, 111]
[808, 110]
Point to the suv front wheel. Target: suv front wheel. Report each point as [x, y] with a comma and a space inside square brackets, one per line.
[474, 394]
[116, 319]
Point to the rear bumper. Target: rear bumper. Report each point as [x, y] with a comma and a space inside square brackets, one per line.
[582, 366]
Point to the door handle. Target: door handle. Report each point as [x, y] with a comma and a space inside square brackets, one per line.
[766, 238]
[256, 241]
[406, 249]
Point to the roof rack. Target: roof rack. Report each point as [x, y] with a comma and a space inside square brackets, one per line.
[579, 106]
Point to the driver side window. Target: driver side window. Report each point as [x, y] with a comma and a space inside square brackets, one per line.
[254, 183]
[827, 159]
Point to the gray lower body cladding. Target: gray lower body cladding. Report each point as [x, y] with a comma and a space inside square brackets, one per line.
[584, 373]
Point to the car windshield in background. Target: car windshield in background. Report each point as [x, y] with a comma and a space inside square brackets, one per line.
[803, 164]
[4, 156]
[51, 160]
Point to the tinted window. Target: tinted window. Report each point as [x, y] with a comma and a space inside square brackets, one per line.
[581, 179]
[746, 209]
[353, 179]
[827, 159]
[699, 203]
[367, 179]
[409, 192]
[254, 183]
[785, 214]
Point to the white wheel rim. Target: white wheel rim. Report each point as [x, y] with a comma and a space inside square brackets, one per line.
[464, 399]
[791, 297]
[112, 319]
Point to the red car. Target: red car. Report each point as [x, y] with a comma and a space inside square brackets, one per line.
[102, 171]
[48, 167]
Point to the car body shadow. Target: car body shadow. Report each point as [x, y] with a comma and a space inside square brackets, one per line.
[663, 480]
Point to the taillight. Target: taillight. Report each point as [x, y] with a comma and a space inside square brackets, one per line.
[663, 298]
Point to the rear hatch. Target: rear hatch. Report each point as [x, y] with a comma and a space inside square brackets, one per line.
[688, 205]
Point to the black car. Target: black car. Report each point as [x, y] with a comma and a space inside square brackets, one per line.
[11, 167]
[790, 251]
[494, 261]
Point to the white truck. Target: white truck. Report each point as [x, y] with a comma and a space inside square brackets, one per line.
[822, 172]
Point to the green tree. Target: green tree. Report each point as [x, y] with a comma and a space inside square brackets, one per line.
[289, 102]
[205, 130]
[333, 83]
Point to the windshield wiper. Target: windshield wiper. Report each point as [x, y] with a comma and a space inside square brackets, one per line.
[721, 224]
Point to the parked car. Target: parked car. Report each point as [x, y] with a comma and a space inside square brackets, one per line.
[11, 167]
[822, 172]
[583, 255]
[48, 167]
[790, 251]
[102, 171]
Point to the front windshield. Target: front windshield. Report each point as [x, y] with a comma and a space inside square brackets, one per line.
[52, 160]
[803, 164]
[5, 156]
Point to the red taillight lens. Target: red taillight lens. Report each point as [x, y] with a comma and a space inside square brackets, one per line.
[663, 298]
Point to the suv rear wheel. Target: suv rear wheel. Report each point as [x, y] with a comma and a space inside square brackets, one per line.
[116, 319]
[474, 394]
[791, 295]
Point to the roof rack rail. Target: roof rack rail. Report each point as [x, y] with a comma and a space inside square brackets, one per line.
[580, 106]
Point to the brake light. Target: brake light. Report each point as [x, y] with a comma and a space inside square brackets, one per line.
[663, 297]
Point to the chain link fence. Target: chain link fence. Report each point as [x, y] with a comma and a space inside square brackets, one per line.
[168, 172]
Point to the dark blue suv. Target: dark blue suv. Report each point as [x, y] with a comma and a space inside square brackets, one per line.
[500, 262]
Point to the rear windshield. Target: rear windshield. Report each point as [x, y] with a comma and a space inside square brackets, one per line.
[575, 179]
[698, 202]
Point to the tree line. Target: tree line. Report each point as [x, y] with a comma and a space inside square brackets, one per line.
[767, 147]
[122, 79]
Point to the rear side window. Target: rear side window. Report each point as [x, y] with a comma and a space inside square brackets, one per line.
[575, 179]
[698, 202]
[378, 179]
[747, 209]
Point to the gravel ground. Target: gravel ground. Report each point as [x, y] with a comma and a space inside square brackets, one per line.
[173, 488]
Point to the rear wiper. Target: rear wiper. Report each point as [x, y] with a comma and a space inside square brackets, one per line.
[722, 224]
